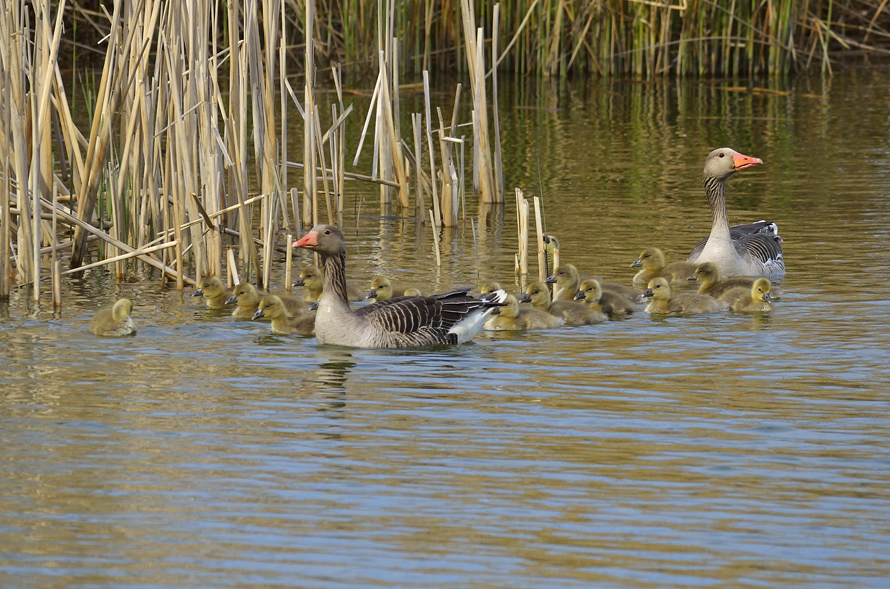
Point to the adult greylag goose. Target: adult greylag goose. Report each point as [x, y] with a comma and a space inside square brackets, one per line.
[382, 289]
[572, 312]
[213, 291]
[284, 322]
[663, 301]
[450, 318]
[592, 294]
[652, 261]
[310, 278]
[751, 254]
[513, 318]
[708, 277]
[755, 299]
[114, 320]
[248, 300]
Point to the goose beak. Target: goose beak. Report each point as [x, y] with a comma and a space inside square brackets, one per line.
[740, 162]
[258, 314]
[637, 263]
[232, 300]
[308, 241]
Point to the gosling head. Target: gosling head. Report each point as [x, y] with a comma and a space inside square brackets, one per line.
[591, 291]
[381, 289]
[651, 257]
[658, 289]
[760, 291]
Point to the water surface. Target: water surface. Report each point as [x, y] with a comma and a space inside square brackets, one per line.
[723, 450]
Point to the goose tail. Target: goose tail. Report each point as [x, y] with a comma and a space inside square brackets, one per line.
[469, 325]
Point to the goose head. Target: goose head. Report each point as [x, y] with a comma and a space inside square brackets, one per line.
[488, 287]
[510, 308]
[381, 289]
[210, 287]
[122, 309]
[245, 295]
[650, 258]
[760, 291]
[270, 307]
[724, 162]
[591, 291]
[309, 276]
[658, 289]
[707, 273]
[327, 240]
[563, 275]
[537, 294]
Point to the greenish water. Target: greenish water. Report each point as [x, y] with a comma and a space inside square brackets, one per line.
[719, 450]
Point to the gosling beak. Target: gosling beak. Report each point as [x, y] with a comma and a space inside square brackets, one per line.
[637, 263]
[525, 298]
[648, 293]
[767, 297]
[198, 293]
[579, 295]
[308, 241]
[550, 279]
[300, 281]
[371, 295]
[232, 300]
[258, 314]
[740, 162]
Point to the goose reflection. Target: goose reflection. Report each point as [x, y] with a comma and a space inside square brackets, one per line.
[330, 378]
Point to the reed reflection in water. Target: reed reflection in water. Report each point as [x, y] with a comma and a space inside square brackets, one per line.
[723, 450]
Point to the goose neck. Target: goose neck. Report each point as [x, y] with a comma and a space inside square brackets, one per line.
[335, 276]
[715, 189]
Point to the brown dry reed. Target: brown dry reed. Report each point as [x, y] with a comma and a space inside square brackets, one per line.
[183, 163]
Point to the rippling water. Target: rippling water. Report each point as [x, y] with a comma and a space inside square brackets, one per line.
[718, 450]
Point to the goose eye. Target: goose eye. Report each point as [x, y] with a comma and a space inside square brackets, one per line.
[720, 154]
[327, 231]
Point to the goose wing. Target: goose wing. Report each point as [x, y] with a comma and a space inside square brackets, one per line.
[417, 321]
[738, 232]
[763, 247]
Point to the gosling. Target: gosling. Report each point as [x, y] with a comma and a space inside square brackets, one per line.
[115, 320]
[663, 302]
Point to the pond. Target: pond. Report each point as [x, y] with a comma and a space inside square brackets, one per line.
[730, 450]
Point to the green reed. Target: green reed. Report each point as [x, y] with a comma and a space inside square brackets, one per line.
[640, 38]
